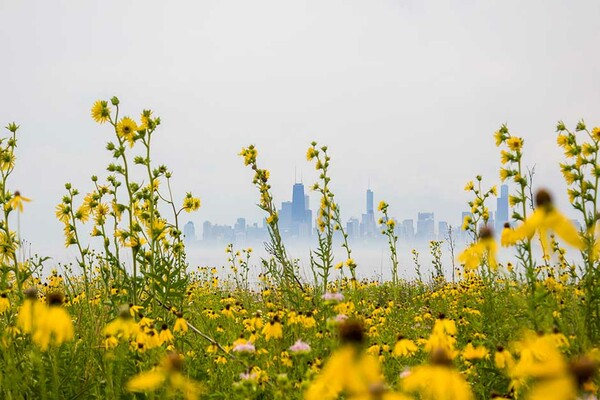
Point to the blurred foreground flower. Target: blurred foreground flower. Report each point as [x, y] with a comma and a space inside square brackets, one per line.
[484, 249]
[167, 373]
[352, 371]
[49, 324]
[544, 219]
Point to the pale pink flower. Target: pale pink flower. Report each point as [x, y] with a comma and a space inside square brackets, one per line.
[340, 318]
[333, 296]
[299, 347]
[244, 348]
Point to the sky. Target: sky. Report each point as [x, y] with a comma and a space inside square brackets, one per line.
[406, 94]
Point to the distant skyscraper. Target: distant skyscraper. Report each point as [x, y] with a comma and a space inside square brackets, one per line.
[442, 230]
[298, 203]
[502, 209]
[206, 231]
[285, 217]
[425, 226]
[189, 232]
[295, 218]
[353, 228]
[367, 223]
[369, 201]
[408, 228]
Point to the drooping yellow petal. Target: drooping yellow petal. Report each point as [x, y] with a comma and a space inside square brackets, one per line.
[146, 381]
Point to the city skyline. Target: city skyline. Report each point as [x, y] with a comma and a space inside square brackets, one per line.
[295, 223]
[276, 75]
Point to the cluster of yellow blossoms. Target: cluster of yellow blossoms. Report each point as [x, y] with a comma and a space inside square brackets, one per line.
[48, 323]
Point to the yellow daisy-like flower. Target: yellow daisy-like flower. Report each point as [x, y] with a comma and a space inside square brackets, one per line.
[190, 203]
[545, 218]
[100, 111]
[273, 330]
[54, 325]
[438, 381]
[16, 203]
[484, 248]
[382, 205]
[471, 352]
[126, 129]
[404, 347]
[180, 324]
[499, 137]
[514, 143]
[4, 302]
[168, 373]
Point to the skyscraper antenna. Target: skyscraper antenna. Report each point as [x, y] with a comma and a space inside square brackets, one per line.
[295, 175]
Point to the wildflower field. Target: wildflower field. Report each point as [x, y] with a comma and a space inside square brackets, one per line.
[134, 320]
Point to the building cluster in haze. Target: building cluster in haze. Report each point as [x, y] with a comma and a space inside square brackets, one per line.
[297, 222]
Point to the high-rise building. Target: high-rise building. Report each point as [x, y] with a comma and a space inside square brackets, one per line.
[298, 203]
[369, 201]
[367, 223]
[295, 218]
[408, 229]
[189, 232]
[206, 231]
[425, 226]
[442, 230]
[502, 209]
[285, 218]
[353, 228]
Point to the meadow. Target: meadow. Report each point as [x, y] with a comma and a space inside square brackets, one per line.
[133, 319]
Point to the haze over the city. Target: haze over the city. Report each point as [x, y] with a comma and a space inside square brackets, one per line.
[406, 95]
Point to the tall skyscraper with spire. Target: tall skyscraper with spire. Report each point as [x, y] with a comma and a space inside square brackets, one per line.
[367, 223]
[295, 216]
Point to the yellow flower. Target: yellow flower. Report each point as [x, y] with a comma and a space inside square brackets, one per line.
[404, 347]
[503, 359]
[562, 140]
[499, 137]
[4, 302]
[100, 111]
[30, 311]
[545, 218]
[273, 330]
[514, 143]
[126, 129]
[382, 205]
[347, 371]
[596, 133]
[122, 327]
[165, 335]
[469, 186]
[16, 202]
[7, 160]
[505, 156]
[471, 352]
[249, 155]
[438, 381]
[484, 249]
[191, 203]
[168, 373]
[54, 325]
[180, 324]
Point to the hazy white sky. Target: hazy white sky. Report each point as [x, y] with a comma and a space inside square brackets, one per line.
[405, 93]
